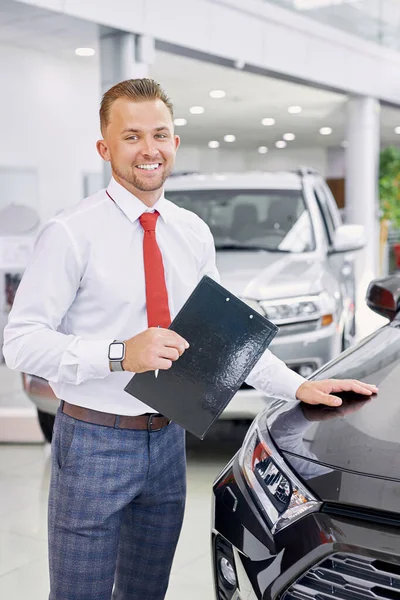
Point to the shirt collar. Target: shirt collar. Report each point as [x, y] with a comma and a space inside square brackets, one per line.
[131, 205]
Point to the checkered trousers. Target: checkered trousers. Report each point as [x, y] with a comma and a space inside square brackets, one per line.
[116, 507]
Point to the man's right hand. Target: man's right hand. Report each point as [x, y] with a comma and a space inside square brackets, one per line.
[153, 349]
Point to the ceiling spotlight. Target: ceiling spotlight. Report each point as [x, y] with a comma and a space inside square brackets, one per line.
[294, 110]
[229, 138]
[280, 144]
[213, 144]
[263, 150]
[196, 110]
[397, 130]
[345, 143]
[85, 51]
[325, 131]
[217, 94]
[239, 64]
[267, 122]
[180, 122]
[289, 137]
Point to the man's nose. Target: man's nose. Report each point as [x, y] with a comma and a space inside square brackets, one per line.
[149, 147]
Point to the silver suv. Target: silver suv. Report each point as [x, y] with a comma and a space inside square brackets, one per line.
[281, 246]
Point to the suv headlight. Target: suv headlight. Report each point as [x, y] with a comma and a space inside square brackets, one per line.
[285, 311]
[280, 495]
[290, 310]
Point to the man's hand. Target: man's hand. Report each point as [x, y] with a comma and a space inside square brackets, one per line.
[154, 348]
[320, 392]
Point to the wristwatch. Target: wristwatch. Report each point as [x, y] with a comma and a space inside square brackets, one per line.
[116, 354]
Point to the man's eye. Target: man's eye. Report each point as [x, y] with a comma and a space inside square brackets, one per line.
[161, 135]
[132, 137]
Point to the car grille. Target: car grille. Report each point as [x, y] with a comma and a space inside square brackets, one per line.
[348, 577]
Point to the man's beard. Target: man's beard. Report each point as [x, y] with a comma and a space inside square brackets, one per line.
[130, 176]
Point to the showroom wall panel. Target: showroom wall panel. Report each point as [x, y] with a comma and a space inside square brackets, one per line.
[49, 122]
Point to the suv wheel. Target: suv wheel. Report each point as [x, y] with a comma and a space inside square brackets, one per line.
[46, 422]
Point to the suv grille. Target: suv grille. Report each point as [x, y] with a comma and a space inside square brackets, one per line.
[348, 577]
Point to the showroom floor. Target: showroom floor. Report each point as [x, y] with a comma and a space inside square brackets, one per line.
[24, 479]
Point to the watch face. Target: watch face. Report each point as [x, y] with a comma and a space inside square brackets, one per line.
[116, 351]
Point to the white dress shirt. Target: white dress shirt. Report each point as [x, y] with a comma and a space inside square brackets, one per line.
[85, 287]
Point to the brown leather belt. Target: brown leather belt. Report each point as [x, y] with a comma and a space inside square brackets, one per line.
[151, 422]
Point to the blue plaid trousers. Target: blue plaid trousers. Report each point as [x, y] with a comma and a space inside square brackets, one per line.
[116, 508]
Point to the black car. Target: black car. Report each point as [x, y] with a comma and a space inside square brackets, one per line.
[309, 508]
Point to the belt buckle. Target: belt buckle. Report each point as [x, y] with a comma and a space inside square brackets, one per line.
[150, 423]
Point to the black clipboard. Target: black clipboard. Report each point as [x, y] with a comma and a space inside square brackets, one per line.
[226, 337]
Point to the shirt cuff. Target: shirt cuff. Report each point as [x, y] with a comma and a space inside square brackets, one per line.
[274, 379]
[85, 359]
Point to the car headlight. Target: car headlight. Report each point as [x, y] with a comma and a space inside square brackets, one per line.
[285, 311]
[292, 309]
[281, 496]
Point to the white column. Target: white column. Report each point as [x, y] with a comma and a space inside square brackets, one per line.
[362, 162]
[123, 56]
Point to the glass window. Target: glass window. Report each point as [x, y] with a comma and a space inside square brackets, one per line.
[276, 220]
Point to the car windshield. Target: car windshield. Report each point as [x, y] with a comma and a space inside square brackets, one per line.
[274, 220]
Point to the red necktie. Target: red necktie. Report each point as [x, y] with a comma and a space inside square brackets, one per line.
[158, 314]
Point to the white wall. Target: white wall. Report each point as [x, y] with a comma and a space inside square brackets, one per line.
[259, 33]
[49, 122]
[336, 163]
[190, 158]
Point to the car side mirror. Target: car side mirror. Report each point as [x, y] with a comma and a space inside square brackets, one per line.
[383, 296]
[348, 238]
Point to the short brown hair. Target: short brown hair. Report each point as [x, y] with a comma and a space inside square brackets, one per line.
[137, 90]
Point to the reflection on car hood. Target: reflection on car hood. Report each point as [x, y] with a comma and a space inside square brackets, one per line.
[362, 436]
[263, 275]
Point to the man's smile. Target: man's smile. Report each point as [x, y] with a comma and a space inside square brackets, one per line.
[149, 166]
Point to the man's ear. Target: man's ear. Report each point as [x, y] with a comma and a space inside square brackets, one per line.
[102, 149]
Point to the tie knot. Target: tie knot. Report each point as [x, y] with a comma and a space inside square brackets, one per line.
[148, 220]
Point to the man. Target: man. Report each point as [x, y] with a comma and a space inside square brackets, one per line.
[106, 278]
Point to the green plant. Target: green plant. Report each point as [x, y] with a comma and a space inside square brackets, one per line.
[389, 185]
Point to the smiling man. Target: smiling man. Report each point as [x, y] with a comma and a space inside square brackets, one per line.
[114, 270]
[139, 143]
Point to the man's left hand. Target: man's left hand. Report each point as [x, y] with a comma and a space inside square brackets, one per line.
[320, 392]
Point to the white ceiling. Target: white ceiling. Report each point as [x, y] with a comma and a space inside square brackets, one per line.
[249, 97]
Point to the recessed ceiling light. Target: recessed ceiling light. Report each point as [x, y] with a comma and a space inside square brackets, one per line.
[294, 110]
[289, 137]
[325, 131]
[217, 94]
[85, 51]
[196, 110]
[280, 144]
[229, 138]
[345, 143]
[263, 149]
[239, 64]
[397, 130]
[180, 122]
[268, 121]
[213, 144]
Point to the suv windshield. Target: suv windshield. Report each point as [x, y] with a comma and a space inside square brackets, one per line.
[275, 220]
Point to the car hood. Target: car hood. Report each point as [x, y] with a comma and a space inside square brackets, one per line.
[263, 275]
[362, 436]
